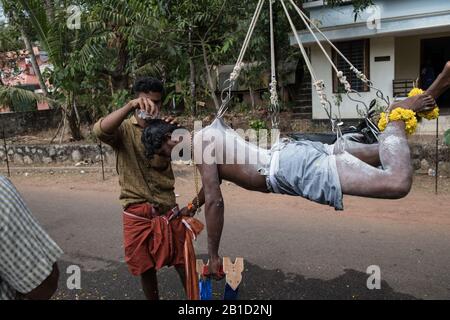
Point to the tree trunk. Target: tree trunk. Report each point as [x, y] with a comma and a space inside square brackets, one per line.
[34, 63]
[120, 78]
[49, 10]
[192, 75]
[209, 78]
[193, 86]
[120, 82]
[73, 119]
[74, 125]
[252, 97]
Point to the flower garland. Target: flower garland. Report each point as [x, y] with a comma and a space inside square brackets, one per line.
[429, 115]
[406, 115]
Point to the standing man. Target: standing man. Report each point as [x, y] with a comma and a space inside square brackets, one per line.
[28, 256]
[147, 189]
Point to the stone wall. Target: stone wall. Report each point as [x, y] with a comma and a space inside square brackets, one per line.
[67, 154]
[424, 158]
[17, 123]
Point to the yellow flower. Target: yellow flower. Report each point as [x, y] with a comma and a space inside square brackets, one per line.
[382, 124]
[415, 92]
[429, 115]
[400, 114]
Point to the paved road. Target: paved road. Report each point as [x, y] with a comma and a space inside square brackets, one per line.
[293, 249]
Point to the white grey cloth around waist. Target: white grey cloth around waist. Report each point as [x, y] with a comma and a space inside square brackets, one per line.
[307, 169]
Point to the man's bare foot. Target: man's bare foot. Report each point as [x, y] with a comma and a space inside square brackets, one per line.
[419, 103]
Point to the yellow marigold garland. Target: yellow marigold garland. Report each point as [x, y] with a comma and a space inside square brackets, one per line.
[408, 116]
[429, 115]
[399, 114]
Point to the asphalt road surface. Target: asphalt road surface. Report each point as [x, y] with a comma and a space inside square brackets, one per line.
[293, 249]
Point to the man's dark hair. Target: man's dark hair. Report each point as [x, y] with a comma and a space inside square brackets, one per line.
[148, 84]
[154, 135]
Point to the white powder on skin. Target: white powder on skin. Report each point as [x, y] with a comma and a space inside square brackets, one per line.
[392, 144]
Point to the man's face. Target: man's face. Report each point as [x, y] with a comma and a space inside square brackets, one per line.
[167, 146]
[155, 97]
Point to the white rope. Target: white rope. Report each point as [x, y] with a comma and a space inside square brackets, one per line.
[319, 85]
[239, 65]
[358, 73]
[274, 101]
[339, 74]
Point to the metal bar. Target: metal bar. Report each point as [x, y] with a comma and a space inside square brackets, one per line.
[102, 161]
[437, 156]
[6, 152]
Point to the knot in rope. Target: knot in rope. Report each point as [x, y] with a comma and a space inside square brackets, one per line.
[320, 89]
[273, 92]
[361, 76]
[344, 81]
[236, 71]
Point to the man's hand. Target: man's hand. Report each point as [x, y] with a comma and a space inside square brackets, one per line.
[185, 212]
[215, 269]
[145, 105]
[171, 120]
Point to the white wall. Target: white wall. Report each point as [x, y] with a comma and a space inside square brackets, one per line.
[381, 73]
[389, 9]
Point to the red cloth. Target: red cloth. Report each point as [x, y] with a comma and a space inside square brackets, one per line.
[150, 240]
[193, 229]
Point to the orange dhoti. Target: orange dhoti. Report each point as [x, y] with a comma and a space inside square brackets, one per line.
[153, 241]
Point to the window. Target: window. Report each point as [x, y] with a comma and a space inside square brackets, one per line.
[357, 52]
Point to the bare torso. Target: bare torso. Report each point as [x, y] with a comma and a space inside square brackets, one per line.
[237, 160]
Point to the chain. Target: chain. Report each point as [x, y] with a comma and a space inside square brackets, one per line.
[196, 176]
[197, 188]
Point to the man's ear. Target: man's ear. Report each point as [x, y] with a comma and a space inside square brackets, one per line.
[168, 136]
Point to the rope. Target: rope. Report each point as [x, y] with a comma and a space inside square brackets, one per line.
[358, 73]
[319, 85]
[339, 74]
[239, 65]
[274, 101]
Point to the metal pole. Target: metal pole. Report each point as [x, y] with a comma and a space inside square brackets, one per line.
[437, 156]
[6, 152]
[101, 159]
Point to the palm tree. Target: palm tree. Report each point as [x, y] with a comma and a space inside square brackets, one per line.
[55, 39]
[9, 96]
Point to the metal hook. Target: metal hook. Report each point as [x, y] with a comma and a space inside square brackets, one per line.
[380, 95]
[356, 100]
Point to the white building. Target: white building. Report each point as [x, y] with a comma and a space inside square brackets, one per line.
[393, 43]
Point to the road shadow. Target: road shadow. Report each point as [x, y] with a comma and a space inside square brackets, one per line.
[116, 282]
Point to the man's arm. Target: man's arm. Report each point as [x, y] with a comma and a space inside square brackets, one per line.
[441, 84]
[28, 255]
[45, 290]
[198, 201]
[214, 213]
[112, 122]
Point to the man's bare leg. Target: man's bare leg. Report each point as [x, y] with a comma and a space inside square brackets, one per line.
[150, 284]
[370, 154]
[181, 270]
[395, 179]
